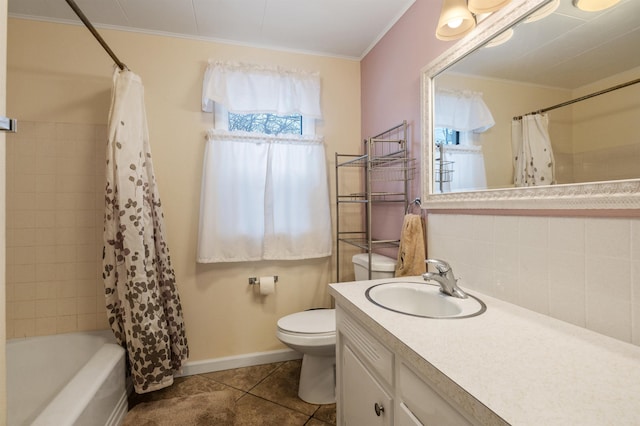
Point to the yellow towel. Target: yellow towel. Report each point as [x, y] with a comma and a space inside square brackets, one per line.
[412, 252]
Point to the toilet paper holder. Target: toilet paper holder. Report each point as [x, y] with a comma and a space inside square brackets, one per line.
[256, 280]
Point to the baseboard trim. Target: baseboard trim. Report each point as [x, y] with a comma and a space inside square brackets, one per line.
[238, 361]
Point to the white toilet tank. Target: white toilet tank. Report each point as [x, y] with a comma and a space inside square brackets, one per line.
[381, 266]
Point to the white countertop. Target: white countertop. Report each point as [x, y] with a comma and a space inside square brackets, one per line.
[527, 368]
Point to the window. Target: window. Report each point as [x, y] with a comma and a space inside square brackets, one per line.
[269, 124]
[264, 185]
[445, 136]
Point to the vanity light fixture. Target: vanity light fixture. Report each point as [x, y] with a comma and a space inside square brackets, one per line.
[455, 20]
[500, 39]
[594, 5]
[482, 16]
[486, 6]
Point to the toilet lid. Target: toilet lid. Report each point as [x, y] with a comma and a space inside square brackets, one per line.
[312, 322]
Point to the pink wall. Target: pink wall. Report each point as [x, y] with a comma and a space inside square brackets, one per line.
[390, 79]
[390, 73]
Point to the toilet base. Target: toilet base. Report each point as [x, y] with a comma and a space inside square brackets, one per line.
[318, 379]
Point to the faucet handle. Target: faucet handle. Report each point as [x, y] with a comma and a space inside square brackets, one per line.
[442, 266]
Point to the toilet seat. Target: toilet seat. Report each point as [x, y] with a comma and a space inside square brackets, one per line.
[314, 328]
[317, 322]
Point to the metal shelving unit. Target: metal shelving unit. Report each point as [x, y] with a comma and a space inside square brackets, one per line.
[386, 160]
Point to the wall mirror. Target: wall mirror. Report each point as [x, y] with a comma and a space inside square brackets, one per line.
[537, 108]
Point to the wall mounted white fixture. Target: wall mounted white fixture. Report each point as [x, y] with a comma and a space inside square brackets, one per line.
[455, 20]
[486, 6]
[594, 5]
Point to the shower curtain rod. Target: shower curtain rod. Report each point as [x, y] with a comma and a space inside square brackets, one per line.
[582, 98]
[98, 37]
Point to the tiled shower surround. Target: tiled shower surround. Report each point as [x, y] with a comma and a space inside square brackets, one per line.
[55, 203]
[612, 163]
[585, 271]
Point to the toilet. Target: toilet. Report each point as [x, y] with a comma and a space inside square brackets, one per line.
[381, 266]
[313, 333]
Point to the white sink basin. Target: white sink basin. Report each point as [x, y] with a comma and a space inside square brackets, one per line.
[423, 300]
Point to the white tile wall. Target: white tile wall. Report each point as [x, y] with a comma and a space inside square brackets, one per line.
[585, 271]
[54, 179]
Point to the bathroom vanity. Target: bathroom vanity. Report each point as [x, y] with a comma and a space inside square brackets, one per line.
[506, 366]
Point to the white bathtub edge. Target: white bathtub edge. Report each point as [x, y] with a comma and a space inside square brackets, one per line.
[191, 368]
[77, 395]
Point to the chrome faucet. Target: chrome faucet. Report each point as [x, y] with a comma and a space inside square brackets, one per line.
[444, 277]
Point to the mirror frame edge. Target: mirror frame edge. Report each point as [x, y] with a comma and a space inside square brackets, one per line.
[621, 194]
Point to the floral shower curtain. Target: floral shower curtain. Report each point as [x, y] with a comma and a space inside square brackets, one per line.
[142, 300]
[533, 161]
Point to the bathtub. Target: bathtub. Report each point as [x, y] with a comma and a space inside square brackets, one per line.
[66, 379]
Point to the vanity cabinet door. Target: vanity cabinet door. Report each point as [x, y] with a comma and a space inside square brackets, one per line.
[406, 418]
[365, 402]
[425, 404]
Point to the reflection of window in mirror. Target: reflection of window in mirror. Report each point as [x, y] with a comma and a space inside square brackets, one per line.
[445, 136]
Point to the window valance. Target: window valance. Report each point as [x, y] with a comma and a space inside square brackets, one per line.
[244, 88]
[462, 110]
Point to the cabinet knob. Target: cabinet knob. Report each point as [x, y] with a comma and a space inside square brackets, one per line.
[379, 409]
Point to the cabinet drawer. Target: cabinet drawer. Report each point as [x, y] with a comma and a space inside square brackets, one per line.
[379, 357]
[425, 403]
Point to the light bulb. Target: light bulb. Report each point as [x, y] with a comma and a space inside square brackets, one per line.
[455, 20]
[455, 23]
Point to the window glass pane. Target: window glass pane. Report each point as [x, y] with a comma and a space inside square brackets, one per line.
[444, 136]
[270, 124]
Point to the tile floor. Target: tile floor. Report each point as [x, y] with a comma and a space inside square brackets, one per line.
[266, 395]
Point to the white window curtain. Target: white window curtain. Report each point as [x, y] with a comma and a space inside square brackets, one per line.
[246, 88]
[468, 172]
[533, 161]
[462, 110]
[263, 197]
[466, 112]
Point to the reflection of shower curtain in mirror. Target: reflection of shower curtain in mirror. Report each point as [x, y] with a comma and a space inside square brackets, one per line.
[533, 161]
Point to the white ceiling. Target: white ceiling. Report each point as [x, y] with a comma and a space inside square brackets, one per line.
[343, 28]
[567, 49]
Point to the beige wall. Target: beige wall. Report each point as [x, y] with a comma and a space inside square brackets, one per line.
[58, 73]
[3, 67]
[608, 120]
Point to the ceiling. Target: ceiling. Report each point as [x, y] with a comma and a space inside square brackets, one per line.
[342, 28]
[567, 49]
